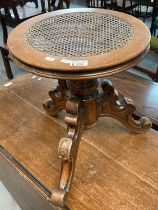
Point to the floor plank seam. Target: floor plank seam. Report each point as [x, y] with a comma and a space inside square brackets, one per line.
[25, 172]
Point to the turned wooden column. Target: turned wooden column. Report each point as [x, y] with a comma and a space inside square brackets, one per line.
[87, 92]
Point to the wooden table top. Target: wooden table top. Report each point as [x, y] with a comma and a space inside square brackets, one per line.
[79, 43]
[115, 170]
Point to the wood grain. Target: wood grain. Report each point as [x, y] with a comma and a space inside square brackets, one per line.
[143, 92]
[115, 169]
[21, 190]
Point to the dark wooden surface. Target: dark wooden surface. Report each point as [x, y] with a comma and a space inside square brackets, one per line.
[115, 169]
[25, 194]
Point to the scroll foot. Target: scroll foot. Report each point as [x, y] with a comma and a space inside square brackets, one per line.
[121, 109]
[68, 148]
[58, 99]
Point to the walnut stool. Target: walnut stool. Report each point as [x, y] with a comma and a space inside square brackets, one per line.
[78, 46]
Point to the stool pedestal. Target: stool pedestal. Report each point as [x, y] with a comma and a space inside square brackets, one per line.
[85, 103]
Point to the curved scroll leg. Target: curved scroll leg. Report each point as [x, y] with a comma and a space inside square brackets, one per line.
[58, 99]
[68, 148]
[121, 109]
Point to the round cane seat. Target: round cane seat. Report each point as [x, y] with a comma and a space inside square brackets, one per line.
[79, 43]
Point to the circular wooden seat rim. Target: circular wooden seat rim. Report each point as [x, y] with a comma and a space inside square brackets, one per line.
[74, 75]
[24, 53]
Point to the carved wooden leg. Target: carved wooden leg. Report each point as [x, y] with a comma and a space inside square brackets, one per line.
[68, 148]
[81, 112]
[6, 61]
[156, 76]
[121, 109]
[58, 99]
[67, 4]
[43, 6]
[36, 3]
[83, 107]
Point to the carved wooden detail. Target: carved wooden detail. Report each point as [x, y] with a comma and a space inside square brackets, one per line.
[68, 148]
[121, 109]
[58, 99]
[78, 88]
[85, 104]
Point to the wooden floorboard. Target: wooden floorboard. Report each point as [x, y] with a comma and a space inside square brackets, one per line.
[115, 169]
